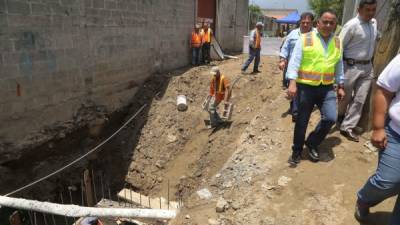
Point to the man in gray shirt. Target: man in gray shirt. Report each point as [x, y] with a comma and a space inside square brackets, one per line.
[359, 36]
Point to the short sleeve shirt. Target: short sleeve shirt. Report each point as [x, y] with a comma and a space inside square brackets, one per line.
[390, 81]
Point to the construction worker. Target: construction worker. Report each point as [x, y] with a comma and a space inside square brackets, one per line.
[219, 90]
[206, 36]
[306, 20]
[385, 183]
[359, 37]
[195, 43]
[314, 67]
[254, 48]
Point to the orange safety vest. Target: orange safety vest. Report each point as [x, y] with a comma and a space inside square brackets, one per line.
[207, 36]
[217, 88]
[196, 40]
[258, 39]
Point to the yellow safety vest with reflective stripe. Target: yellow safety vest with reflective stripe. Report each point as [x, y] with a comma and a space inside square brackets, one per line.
[206, 35]
[318, 67]
[220, 89]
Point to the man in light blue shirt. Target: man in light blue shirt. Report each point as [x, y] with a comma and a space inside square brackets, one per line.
[315, 87]
[306, 20]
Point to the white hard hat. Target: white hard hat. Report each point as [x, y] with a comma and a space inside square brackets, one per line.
[259, 24]
[214, 70]
[198, 26]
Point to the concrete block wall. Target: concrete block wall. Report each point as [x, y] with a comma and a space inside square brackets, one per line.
[232, 19]
[59, 56]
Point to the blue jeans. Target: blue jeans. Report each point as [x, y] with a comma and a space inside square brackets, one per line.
[254, 53]
[195, 56]
[294, 107]
[385, 183]
[324, 97]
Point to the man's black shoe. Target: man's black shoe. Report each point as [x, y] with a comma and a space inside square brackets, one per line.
[361, 213]
[313, 153]
[256, 71]
[350, 135]
[295, 158]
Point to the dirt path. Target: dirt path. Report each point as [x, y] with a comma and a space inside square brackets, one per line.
[244, 166]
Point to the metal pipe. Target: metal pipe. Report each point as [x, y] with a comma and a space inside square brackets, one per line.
[62, 201]
[78, 211]
[94, 188]
[35, 218]
[82, 193]
[109, 192]
[54, 219]
[101, 183]
[30, 217]
[45, 219]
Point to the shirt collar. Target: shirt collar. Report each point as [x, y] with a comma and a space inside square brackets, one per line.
[320, 36]
[363, 21]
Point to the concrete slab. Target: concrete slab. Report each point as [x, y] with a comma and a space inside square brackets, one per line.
[147, 202]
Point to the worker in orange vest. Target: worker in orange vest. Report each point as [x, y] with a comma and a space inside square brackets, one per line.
[219, 90]
[195, 43]
[205, 50]
[254, 48]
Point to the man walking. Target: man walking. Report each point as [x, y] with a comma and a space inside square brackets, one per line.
[358, 38]
[206, 36]
[195, 43]
[314, 67]
[385, 183]
[306, 20]
[219, 90]
[254, 48]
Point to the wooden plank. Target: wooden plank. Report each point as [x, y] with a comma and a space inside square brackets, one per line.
[145, 201]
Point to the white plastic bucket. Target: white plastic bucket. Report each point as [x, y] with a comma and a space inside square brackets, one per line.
[181, 103]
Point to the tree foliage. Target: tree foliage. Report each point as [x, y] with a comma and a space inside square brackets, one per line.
[318, 5]
[256, 14]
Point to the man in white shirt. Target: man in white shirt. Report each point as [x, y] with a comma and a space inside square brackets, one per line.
[385, 183]
[358, 37]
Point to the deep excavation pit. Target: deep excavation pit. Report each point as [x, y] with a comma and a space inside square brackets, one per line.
[109, 164]
[160, 146]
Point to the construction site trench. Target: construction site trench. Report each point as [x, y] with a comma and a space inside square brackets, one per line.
[241, 166]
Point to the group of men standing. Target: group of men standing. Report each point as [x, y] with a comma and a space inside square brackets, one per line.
[321, 68]
[334, 73]
[200, 43]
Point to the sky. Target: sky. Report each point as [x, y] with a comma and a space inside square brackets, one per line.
[301, 5]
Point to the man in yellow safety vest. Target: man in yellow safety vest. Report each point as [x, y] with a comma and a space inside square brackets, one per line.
[315, 66]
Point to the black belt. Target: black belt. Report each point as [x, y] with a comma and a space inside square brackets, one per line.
[352, 62]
